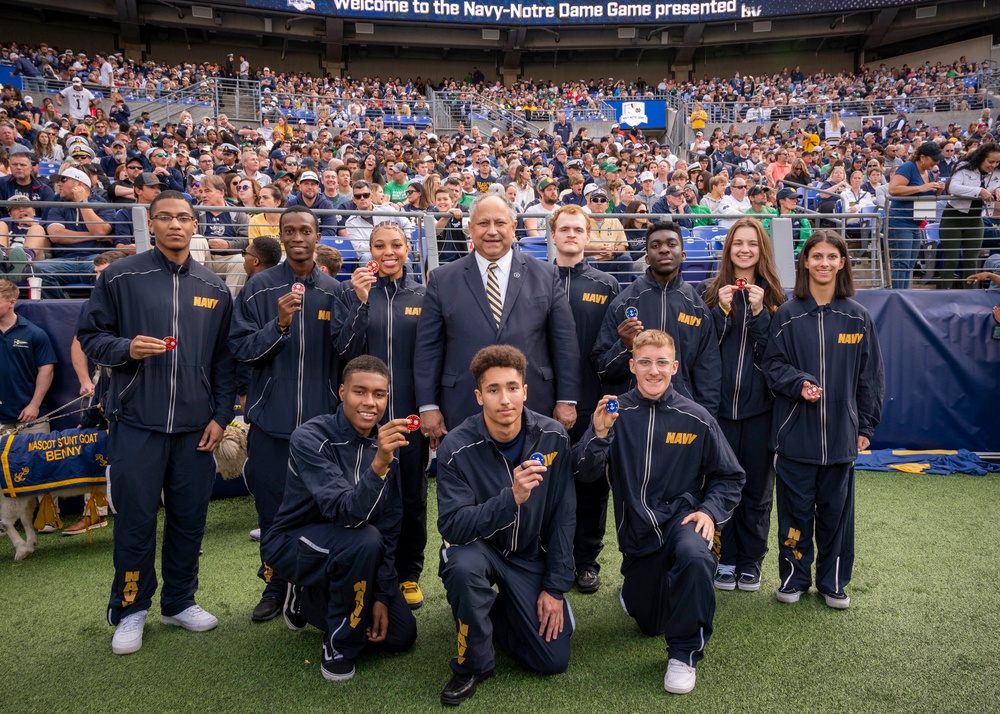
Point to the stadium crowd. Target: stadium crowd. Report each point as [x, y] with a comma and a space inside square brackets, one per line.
[815, 165]
[707, 376]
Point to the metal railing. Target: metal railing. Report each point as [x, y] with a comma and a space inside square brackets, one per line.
[869, 237]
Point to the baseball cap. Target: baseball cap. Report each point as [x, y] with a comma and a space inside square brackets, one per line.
[278, 155]
[399, 168]
[597, 192]
[758, 189]
[147, 179]
[787, 193]
[28, 99]
[544, 183]
[646, 176]
[77, 175]
[674, 190]
[931, 149]
[308, 176]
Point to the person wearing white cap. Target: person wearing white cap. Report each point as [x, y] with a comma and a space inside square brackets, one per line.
[647, 195]
[78, 234]
[79, 97]
[311, 196]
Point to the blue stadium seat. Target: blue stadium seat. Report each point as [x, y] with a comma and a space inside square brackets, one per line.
[535, 247]
[699, 258]
[714, 236]
[971, 82]
[47, 168]
[347, 252]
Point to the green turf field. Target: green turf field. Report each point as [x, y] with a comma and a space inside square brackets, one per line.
[921, 634]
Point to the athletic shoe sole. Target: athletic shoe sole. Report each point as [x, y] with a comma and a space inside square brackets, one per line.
[788, 597]
[724, 585]
[750, 587]
[837, 603]
[203, 627]
[337, 676]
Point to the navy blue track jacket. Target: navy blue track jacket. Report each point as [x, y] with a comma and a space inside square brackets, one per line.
[476, 499]
[330, 480]
[663, 459]
[676, 309]
[742, 341]
[385, 327]
[590, 292]
[836, 347]
[294, 376]
[146, 294]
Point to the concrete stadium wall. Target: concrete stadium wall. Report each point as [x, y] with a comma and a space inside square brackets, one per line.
[975, 50]
[294, 61]
[940, 119]
[832, 61]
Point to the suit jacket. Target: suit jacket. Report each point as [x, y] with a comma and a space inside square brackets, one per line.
[456, 323]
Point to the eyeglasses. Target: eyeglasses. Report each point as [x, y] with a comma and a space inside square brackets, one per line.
[244, 252]
[598, 199]
[244, 187]
[159, 156]
[740, 186]
[411, 191]
[363, 195]
[644, 363]
[166, 219]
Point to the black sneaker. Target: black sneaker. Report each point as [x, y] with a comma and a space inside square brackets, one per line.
[292, 610]
[750, 582]
[336, 668]
[267, 609]
[588, 581]
[838, 601]
[725, 581]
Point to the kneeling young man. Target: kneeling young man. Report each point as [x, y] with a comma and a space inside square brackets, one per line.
[674, 480]
[506, 506]
[334, 537]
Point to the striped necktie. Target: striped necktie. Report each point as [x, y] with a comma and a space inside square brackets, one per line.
[493, 293]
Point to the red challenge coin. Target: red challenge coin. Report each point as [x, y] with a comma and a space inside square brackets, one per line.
[372, 267]
[412, 422]
[170, 343]
[741, 283]
[298, 288]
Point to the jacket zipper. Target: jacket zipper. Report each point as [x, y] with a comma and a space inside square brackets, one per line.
[173, 358]
[822, 384]
[517, 516]
[357, 464]
[302, 363]
[388, 336]
[647, 473]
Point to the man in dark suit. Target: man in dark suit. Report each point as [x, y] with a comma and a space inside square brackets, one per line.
[494, 296]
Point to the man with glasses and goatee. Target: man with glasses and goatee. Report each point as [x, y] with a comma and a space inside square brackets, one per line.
[160, 322]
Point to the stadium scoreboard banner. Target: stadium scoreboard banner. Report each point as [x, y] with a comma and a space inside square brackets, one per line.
[574, 12]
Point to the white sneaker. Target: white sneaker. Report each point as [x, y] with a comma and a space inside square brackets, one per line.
[128, 635]
[255, 534]
[679, 678]
[193, 619]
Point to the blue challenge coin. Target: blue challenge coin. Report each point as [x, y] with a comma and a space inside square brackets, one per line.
[611, 406]
[538, 457]
[631, 313]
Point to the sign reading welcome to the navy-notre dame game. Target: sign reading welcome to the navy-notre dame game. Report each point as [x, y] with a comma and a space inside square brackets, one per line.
[562, 12]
